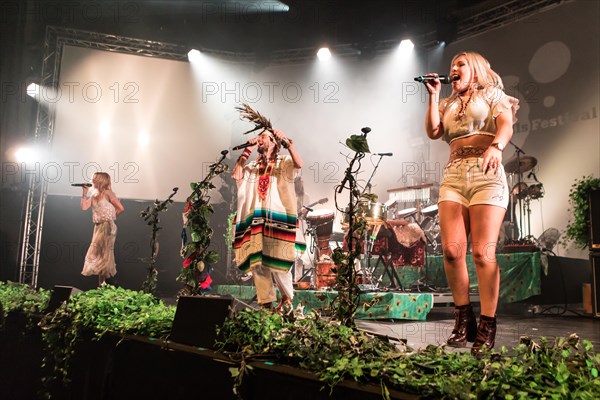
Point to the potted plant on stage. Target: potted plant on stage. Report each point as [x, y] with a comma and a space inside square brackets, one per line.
[578, 228]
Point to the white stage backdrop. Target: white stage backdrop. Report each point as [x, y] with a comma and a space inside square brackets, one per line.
[155, 124]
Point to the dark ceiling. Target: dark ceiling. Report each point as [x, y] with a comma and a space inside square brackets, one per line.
[257, 25]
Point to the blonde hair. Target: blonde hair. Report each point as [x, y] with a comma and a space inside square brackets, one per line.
[103, 182]
[483, 74]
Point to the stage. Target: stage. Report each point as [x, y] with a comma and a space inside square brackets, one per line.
[520, 279]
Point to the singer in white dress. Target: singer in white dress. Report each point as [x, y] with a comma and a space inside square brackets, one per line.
[100, 257]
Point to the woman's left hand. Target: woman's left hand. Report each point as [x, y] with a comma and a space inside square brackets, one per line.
[492, 158]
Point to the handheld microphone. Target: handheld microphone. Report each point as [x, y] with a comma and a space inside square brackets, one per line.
[384, 154]
[442, 78]
[82, 184]
[243, 146]
[285, 143]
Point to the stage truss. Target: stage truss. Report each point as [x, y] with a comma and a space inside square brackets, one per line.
[56, 39]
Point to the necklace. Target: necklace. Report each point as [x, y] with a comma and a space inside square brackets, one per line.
[463, 106]
[264, 179]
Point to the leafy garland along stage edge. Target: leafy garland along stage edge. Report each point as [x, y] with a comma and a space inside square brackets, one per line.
[563, 368]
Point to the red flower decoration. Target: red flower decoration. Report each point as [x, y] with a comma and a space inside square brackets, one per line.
[189, 260]
[206, 282]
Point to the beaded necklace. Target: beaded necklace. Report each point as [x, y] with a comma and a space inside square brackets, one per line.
[463, 106]
[264, 179]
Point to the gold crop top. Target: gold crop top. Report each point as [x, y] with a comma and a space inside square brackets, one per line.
[480, 116]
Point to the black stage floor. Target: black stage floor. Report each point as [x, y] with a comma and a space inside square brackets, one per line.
[514, 321]
[512, 324]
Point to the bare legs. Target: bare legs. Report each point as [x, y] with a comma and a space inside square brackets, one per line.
[454, 224]
[483, 223]
[484, 238]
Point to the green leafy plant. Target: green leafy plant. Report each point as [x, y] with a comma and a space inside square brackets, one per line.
[22, 298]
[578, 228]
[564, 368]
[93, 314]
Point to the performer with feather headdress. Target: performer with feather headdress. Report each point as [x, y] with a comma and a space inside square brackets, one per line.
[267, 213]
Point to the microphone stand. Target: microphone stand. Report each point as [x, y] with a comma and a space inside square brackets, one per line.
[369, 240]
[518, 153]
[346, 303]
[368, 185]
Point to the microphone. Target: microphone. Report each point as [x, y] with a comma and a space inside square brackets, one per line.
[82, 184]
[365, 130]
[224, 152]
[243, 146]
[285, 143]
[383, 154]
[442, 78]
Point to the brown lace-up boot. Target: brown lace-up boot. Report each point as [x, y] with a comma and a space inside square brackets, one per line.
[465, 326]
[486, 334]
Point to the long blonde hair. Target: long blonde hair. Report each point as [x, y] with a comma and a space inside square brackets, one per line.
[103, 182]
[484, 76]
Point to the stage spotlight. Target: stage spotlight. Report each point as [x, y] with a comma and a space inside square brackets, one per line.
[324, 54]
[143, 138]
[104, 129]
[24, 155]
[193, 55]
[33, 90]
[406, 45]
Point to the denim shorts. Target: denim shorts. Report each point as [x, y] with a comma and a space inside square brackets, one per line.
[464, 182]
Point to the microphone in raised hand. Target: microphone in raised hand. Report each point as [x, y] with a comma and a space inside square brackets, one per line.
[442, 78]
[82, 184]
[243, 146]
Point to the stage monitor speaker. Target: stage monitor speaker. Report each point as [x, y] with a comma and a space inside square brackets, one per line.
[197, 318]
[595, 261]
[595, 220]
[59, 295]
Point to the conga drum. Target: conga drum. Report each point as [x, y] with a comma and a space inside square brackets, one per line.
[325, 275]
[322, 223]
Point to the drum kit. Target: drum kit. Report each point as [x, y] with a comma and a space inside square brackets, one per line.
[320, 228]
[521, 194]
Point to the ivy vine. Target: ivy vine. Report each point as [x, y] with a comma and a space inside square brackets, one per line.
[195, 272]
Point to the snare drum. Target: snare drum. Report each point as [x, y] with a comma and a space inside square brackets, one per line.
[430, 210]
[374, 213]
[407, 212]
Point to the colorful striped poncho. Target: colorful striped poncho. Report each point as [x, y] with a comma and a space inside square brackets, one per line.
[265, 230]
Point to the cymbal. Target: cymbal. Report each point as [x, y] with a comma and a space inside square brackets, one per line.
[524, 164]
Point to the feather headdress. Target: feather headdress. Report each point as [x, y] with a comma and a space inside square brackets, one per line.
[260, 121]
